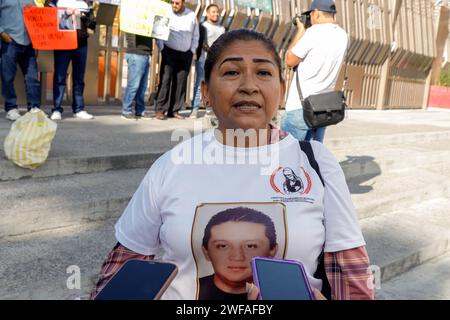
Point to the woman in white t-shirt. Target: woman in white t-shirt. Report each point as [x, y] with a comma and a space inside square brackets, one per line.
[243, 164]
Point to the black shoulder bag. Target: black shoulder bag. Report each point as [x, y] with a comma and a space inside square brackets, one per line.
[323, 109]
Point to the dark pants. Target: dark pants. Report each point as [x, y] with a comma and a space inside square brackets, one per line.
[13, 54]
[62, 61]
[174, 72]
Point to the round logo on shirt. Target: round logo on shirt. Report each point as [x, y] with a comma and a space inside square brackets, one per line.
[288, 181]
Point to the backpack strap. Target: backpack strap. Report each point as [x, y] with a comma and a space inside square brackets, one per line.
[306, 148]
[320, 273]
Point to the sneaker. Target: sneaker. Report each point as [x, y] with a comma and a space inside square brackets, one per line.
[83, 115]
[209, 112]
[128, 116]
[144, 116]
[13, 114]
[194, 114]
[34, 110]
[56, 115]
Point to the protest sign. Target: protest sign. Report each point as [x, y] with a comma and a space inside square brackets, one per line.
[106, 13]
[51, 28]
[148, 18]
[263, 5]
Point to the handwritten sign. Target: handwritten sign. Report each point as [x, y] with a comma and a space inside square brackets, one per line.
[263, 5]
[51, 28]
[150, 18]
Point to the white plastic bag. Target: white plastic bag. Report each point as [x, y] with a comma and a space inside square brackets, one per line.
[29, 140]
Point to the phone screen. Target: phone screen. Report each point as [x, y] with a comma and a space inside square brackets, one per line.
[139, 280]
[281, 281]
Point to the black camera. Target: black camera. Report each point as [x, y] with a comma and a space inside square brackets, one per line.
[304, 18]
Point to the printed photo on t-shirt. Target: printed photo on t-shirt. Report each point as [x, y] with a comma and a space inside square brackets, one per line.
[226, 236]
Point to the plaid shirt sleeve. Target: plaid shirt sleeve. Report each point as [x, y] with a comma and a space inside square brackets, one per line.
[115, 260]
[349, 275]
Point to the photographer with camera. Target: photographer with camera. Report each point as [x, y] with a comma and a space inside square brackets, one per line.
[316, 53]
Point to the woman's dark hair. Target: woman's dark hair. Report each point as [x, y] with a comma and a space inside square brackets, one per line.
[241, 214]
[230, 37]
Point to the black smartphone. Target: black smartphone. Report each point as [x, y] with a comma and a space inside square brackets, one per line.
[139, 280]
[279, 279]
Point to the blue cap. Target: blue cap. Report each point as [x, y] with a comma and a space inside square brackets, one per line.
[322, 5]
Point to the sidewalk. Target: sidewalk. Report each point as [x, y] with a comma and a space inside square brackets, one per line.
[108, 134]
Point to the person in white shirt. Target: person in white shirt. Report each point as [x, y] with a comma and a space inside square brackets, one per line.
[318, 53]
[177, 53]
[244, 84]
[210, 30]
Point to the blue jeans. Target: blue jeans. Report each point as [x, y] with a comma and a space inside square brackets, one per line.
[25, 56]
[199, 76]
[138, 69]
[62, 60]
[316, 134]
[293, 122]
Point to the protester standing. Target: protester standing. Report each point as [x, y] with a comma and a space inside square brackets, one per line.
[177, 53]
[138, 52]
[210, 30]
[16, 49]
[78, 57]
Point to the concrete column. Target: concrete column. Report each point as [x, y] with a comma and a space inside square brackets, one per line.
[383, 85]
[426, 92]
[91, 76]
[442, 33]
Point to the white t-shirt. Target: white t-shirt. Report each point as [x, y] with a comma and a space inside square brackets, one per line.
[169, 211]
[213, 32]
[322, 49]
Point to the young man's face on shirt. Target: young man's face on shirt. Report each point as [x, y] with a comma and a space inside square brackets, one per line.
[230, 249]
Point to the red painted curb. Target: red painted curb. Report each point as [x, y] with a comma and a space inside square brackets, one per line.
[439, 97]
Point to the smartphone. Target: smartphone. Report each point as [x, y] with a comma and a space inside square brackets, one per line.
[139, 280]
[281, 279]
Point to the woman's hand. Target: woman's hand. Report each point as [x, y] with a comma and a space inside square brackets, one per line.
[252, 291]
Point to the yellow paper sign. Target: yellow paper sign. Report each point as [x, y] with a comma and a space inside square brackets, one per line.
[148, 18]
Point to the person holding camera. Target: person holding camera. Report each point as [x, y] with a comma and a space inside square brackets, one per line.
[316, 53]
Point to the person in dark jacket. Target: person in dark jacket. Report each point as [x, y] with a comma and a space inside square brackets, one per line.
[139, 50]
[78, 57]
